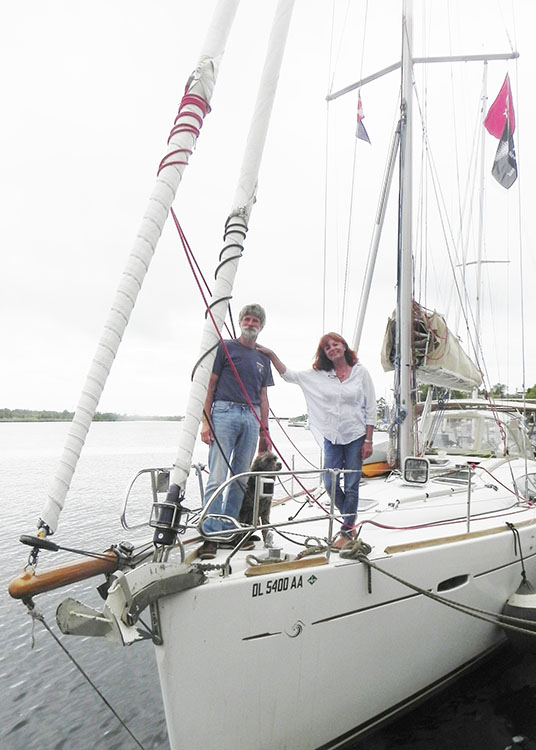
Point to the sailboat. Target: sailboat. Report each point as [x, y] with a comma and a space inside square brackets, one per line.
[445, 533]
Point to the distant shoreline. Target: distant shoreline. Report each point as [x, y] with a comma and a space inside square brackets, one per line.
[46, 415]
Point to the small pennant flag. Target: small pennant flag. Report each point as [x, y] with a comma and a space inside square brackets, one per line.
[505, 166]
[361, 132]
[500, 111]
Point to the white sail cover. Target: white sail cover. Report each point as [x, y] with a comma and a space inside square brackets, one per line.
[181, 144]
[438, 355]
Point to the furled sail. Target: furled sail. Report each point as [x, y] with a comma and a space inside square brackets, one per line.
[437, 353]
[234, 236]
[194, 106]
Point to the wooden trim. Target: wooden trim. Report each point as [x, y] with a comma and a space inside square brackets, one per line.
[393, 549]
[271, 568]
[30, 583]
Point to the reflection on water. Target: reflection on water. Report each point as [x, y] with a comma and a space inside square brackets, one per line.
[45, 700]
[490, 709]
[47, 703]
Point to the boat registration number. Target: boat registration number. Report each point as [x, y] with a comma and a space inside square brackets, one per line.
[277, 585]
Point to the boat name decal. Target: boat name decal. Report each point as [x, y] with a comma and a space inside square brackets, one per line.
[277, 585]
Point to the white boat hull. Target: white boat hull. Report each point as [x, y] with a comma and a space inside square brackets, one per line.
[310, 658]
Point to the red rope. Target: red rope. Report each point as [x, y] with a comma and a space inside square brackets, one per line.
[191, 262]
[185, 127]
[190, 257]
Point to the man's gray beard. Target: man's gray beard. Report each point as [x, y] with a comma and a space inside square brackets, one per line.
[250, 333]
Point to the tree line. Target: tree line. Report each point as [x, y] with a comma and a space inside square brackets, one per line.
[45, 415]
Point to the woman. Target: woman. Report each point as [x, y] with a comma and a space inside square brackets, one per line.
[341, 403]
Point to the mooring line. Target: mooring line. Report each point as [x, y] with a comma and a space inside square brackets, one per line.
[480, 614]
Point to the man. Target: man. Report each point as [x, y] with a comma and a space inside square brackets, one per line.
[228, 426]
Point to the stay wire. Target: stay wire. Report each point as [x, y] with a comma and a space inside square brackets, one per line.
[352, 188]
[232, 365]
[37, 615]
[192, 261]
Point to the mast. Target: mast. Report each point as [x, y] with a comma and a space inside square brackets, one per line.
[404, 316]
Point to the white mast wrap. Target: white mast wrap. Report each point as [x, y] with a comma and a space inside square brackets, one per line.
[235, 231]
[182, 141]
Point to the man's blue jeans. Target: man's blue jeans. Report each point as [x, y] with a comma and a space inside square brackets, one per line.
[344, 457]
[237, 431]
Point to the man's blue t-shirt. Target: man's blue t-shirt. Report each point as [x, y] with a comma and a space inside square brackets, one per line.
[253, 367]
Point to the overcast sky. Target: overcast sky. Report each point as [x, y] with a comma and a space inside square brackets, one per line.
[90, 91]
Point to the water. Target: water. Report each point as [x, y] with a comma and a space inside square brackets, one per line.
[44, 700]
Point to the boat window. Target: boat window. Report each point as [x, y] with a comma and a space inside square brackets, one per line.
[492, 438]
[457, 476]
[471, 434]
[456, 435]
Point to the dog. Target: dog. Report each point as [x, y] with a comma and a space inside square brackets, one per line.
[268, 462]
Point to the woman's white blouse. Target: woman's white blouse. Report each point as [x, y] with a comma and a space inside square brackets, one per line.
[337, 411]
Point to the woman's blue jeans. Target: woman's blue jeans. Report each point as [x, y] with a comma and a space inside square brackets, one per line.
[344, 457]
[237, 432]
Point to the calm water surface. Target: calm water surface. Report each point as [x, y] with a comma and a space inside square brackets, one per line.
[46, 703]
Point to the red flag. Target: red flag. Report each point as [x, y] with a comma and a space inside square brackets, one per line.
[361, 132]
[500, 111]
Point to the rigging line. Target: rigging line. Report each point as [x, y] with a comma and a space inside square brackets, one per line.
[241, 385]
[495, 618]
[433, 168]
[440, 202]
[446, 224]
[512, 47]
[521, 265]
[422, 217]
[333, 66]
[348, 237]
[475, 161]
[363, 41]
[37, 615]
[193, 261]
[352, 189]
[285, 433]
[209, 312]
[456, 148]
[326, 164]
[417, 271]
[456, 521]
[325, 238]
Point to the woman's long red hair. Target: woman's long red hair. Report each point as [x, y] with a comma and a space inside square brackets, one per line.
[321, 362]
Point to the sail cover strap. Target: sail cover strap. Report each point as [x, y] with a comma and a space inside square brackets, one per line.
[194, 105]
